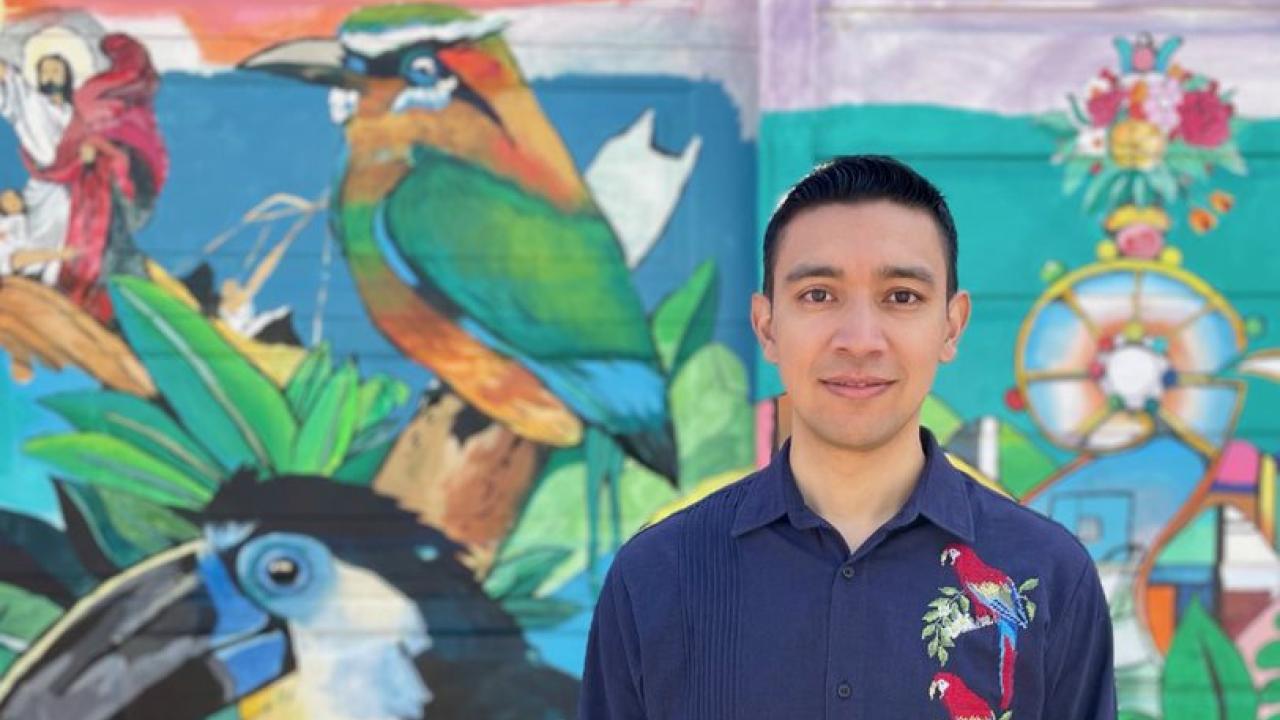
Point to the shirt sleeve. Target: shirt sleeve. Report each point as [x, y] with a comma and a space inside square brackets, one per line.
[1080, 658]
[611, 680]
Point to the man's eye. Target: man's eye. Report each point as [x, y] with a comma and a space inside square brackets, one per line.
[904, 297]
[817, 295]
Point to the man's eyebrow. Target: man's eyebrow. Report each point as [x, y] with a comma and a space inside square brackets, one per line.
[906, 272]
[804, 271]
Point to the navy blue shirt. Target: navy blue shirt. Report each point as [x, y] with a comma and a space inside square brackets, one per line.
[749, 605]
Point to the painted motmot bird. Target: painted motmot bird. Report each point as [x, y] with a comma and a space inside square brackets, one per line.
[473, 240]
[961, 702]
[304, 598]
[995, 598]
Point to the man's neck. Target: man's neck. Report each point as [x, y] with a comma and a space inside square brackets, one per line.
[856, 491]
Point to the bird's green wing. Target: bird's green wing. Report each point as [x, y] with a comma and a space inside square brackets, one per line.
[551, 284]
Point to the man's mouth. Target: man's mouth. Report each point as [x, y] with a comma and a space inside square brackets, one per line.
[856, 387]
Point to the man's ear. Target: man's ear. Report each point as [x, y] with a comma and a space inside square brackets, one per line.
[958, 309]
[762, 324]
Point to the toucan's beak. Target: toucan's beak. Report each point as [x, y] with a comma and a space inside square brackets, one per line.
[173, 631]
[313, 60]
[933, 689]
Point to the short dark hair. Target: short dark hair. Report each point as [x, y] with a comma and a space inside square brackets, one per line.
[862, 178]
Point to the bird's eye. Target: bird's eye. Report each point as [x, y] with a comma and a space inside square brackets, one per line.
[283, 570]
[421, 70]
[424, 65]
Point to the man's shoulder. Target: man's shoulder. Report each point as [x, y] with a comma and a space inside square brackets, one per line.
[1002, 522]
[658, 547]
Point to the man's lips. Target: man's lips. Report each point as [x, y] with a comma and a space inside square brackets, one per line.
[856, 387]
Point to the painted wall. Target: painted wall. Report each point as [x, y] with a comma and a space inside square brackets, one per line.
[344, 343]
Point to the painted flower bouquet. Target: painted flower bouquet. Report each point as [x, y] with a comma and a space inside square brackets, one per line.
[1143, 138]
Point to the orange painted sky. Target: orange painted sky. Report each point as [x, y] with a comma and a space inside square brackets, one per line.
[230, 30]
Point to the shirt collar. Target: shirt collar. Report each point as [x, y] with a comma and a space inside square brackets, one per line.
[939, 495]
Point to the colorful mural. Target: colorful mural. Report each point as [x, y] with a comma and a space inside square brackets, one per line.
[345, 342]
[1112, 188]
[264, 465]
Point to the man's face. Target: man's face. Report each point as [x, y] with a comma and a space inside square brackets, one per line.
[51, 72]
[859, 320]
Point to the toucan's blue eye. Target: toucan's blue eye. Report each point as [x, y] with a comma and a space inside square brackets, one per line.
[283, 570]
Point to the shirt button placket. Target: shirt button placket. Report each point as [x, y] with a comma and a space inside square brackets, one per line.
[844, 691]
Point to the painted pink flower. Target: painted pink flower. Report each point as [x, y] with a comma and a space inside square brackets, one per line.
[1103, 106]
[1140, 241]
[1205, 119]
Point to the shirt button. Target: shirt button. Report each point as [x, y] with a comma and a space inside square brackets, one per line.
[843, 690]
[847, 572]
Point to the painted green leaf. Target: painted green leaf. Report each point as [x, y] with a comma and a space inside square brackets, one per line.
[941, 420]
[125, 527]
[1269, 656]
[50, 549]
[107, 461]
[139, 423]
[540, 613]
[1098, 187]
[1227, 155]
[217, 394]
[685, 321]
[378, 397]
[1204, 676]
[1057, 122]
[359, 468]
[327, 431]
[713, 420]
[23, 616]
[1074, 172]
[521, 574]
[1023, 465]
[1164, 182]
[1270, 693]
[307, 380]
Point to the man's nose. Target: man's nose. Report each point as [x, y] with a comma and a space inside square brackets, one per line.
[861, 329]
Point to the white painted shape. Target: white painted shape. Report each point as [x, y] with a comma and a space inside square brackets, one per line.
[355, 651]
[638, 186]
[989, 446]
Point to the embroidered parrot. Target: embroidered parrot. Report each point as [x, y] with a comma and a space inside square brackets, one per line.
[961, 702]
[475, 244]
[995, 598]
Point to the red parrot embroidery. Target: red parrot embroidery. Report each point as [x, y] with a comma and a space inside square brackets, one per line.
[961, 702]
[994, 598]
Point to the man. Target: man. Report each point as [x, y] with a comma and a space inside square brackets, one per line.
[859, 575]
[113, 163]
[39, 116]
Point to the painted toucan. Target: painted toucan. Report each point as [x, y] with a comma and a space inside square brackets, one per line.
[301, 593]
